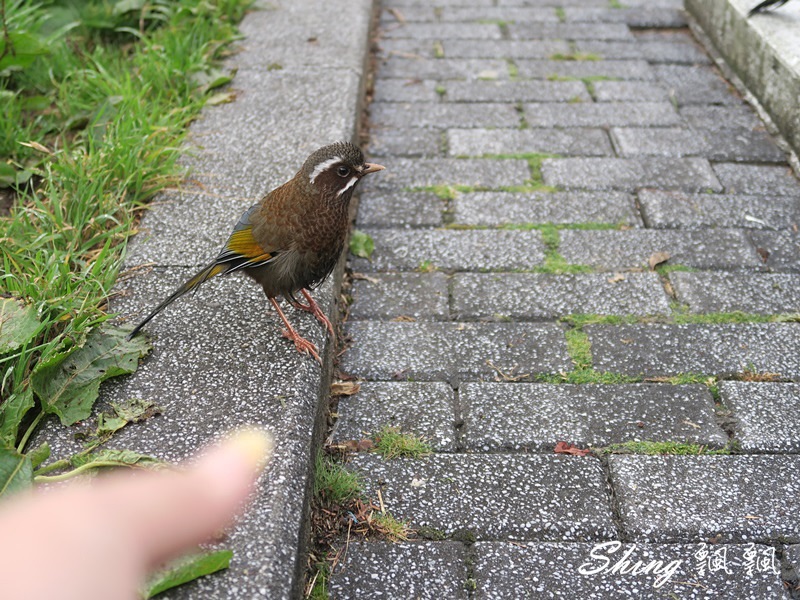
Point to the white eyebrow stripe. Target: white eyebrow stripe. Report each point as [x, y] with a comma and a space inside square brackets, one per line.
[323, 166]
[350, 184]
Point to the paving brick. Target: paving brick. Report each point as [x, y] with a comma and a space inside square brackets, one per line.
[678, 210]
[618, 69]
[780, 251]
[419, 570]
[443, 351]
[411, 48]
[617, 114]
[630, 91]
[422, 409]
[792, 554]
[401, 90]
[495, 496]
[385, 296]
[485, 173]
[614, 250]
[617, 570]
[444, 115]
[443, 31]
[533, 417]
[499, 14]
[653, 51]
[570, 31]
[688, 174]
[515, 91]
[723, 350]
[640, 17]
[727, 145]
[504, 48]
[717, 118]
[390, 16]
[500, 208]
[763, 293]
[765, 415]
[543, 296]
[739, 498]
[404, 142]
[567, 142]
[443, 68]
[758, 179]
[470, 250]
[695, 85]
[386, 208]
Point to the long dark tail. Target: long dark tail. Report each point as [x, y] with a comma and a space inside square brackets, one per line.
[207, 273]
[766, 5]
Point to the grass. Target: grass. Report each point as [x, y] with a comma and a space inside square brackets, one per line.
[576, 56]
[390, 443]
[333, 484]
[660, 448]
[94, 131]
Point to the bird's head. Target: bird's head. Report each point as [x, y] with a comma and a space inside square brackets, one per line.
[334, 171]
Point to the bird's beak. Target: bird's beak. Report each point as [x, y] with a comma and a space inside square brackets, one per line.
[371, 168]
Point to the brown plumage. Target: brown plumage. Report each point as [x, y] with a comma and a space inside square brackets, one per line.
[290, 240]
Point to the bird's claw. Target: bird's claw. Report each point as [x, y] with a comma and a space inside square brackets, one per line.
[302, 345]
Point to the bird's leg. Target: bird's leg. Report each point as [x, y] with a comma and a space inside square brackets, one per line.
[314, 308]
[302, 344]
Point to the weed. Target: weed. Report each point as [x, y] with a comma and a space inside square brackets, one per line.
[390, 442]
[333, 483]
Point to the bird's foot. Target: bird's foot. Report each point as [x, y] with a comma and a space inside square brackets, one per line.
[302, 345]
[314, 309]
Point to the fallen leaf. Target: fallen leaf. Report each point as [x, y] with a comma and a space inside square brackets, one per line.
[566, 448]
[361, 244]
[763, 253]
[657, 258]
[187, 569]
[616, 278]
[18, 324]
[344, 388]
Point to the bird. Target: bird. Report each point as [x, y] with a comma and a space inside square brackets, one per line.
[291, 239]
[766, 5]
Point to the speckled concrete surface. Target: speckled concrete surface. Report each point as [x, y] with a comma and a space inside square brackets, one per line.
[729, 498]
[218, 360]
[495, 496]
[765, 414]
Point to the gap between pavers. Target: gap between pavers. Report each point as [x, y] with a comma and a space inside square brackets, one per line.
[218, 360]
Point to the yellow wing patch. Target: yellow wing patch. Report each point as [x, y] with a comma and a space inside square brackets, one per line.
[242, 244]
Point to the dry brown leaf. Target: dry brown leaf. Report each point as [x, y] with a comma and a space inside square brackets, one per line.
[566, 448]
[344, 388]
[656, 259]
[397, 15]
[616, 278]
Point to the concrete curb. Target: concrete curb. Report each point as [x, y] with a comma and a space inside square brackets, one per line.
[218, 360]
[764, 50]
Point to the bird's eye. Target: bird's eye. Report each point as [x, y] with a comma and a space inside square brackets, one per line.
[343, 171]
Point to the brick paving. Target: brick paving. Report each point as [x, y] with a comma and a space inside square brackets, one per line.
[539, 154]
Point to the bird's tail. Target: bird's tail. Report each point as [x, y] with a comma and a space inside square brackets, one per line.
[207, 273]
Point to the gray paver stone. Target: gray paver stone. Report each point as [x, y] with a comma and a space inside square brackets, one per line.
[443, 31]
[543, 296]
[613, 250]
[716, 118]
[762, 293]
[394, 114]
[470, 250]
[420, 570]
[515, 91]
[405, 142]
[780, 251]
[494, 496]
[386, 296]
[606, 114]
[443, 68]
[489, 173]
[448, 351]
[423, 409]
[570, 31]
[616, 570]
[638, 16]
[401, 90]
[765, 414]
[502, 416]
[724, 350]
[568, 142]
[500, 208]
[678, 210]
[504, 48]
[758, 179]
[617, 69]
[630, 91]
[388, 208]
[694, 498]
[688, 174]
[695, 84]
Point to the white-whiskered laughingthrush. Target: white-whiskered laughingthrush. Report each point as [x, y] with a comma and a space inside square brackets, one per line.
[291, 239]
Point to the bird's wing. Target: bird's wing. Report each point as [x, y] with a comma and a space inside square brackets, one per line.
[242, 250]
